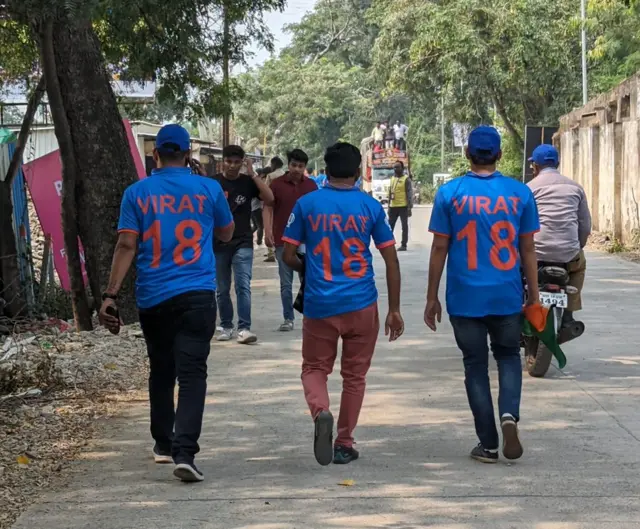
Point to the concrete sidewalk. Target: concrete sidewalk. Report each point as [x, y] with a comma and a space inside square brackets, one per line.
[581, 429]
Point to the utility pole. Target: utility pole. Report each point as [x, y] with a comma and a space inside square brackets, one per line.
[442, 132]
[583, 17]
[225, 73]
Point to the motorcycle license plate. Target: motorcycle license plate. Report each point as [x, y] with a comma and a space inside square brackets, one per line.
[549, 299]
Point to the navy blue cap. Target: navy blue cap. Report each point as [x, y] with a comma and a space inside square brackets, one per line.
[545, 155]
[173, 138]
[484, 141]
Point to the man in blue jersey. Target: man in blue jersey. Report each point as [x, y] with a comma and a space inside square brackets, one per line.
[169, 220]
[484, 223]
[336, 224]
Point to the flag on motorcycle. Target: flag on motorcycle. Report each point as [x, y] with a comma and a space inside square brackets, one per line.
[538, 322]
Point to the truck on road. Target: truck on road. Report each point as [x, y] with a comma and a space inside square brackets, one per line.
[377, 168]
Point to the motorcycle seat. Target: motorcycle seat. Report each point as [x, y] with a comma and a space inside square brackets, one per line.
[554, 275]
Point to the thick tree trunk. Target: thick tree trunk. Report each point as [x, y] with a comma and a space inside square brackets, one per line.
[103, 155]
[103, 161]
[81, 311]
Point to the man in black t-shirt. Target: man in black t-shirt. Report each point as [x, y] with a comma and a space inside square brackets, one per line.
[240, 184]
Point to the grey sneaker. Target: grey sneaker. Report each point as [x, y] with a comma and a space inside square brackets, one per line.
[246, 337]
[479, 453]
[188, 473]
[287, 326]
[511, 445]
[225, 335]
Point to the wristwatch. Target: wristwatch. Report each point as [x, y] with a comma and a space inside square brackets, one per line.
[106, 296]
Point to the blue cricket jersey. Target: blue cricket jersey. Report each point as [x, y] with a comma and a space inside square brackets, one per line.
[337, 226]
[174, 214]
[484, 217]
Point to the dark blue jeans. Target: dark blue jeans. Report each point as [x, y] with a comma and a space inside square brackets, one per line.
[178, 333]
[504, 334]
[240, 262]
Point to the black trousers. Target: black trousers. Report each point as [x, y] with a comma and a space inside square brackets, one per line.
[257, 224]
[403, 214]
[400, 143]
[178, 333]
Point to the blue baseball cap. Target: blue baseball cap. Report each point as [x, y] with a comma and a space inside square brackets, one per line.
[484, 141]
[545, 155]
[173, 138]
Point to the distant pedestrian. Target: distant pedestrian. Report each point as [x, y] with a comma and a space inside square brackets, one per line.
[400, 132]
[235, 257]
[400, 202]
[277, 170]
[286, 191]
[337, 224]
[169, 221]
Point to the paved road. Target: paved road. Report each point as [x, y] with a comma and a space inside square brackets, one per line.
[581, 427]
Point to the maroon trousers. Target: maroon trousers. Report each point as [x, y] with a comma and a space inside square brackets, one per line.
[359, 333]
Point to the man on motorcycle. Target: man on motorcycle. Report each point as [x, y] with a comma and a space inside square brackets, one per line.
[565, 222]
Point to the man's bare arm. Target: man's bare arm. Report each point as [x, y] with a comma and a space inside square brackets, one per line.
[392, 264]
[439, 252]
[290, 257]
[123, 256]
[530, 267]
[225, 234]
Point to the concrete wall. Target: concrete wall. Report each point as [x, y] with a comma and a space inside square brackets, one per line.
[600, 149]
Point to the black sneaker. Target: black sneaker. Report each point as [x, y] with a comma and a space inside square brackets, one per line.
[511, 445]
[402, 249]
[162, 457]
[343, 455]
[188, 473]
[323, 438]
[484, 456]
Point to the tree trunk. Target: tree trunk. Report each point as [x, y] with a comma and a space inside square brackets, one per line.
[502, 112]
[10, 287]
[81, 311]
[103, 161]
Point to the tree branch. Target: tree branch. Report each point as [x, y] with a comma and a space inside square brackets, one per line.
[502, 112]
[335, 37]
[32, 107]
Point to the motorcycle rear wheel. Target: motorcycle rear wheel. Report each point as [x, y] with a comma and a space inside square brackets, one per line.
[537, 357]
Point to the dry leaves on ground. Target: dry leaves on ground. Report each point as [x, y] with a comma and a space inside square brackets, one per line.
[54, 387]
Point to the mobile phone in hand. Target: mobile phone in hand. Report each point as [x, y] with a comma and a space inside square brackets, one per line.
[112, 311]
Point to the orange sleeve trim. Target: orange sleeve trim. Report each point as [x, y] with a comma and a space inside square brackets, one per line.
[529, 233]
[441, 234]
[126, 230]
[227, 226]
[386, 244]
[291, 241]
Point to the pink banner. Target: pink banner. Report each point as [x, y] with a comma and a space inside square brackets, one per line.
[44, 178]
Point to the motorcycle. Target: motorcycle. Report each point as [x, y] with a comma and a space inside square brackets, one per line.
[553, 281]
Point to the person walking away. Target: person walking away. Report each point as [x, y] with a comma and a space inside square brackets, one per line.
[378, 134]
[286, 191]
[257, 224]
[565, 225]
[321, 180]
[400, 131]
[483, 225]
[337, 224]
[400, 202]
[167, 222]
[236, 256]
[277, 170]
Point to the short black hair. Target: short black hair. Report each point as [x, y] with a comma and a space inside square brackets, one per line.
[552, 165]
[489, 159]
[276, 162]
[297, 155]
[343, 160]
[233, 151]
[400, 162]
[170, 153]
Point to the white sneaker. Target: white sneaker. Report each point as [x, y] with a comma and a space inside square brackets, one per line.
[246, 337]
[225, 335]
[286, 326]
